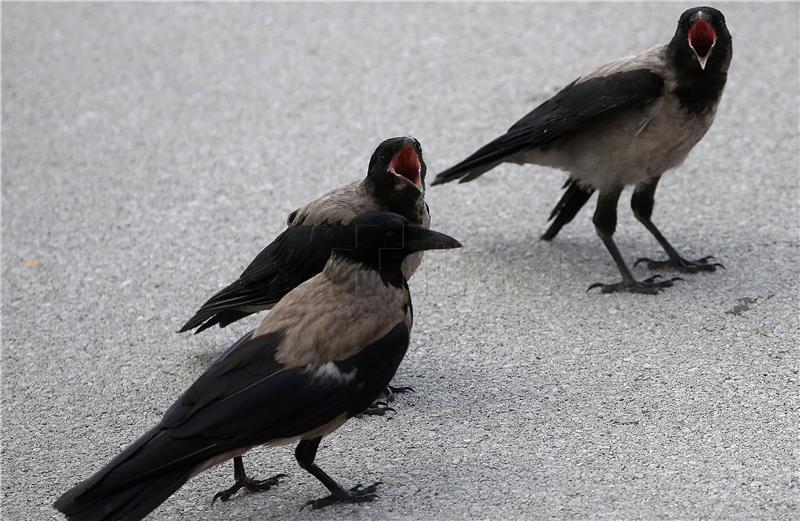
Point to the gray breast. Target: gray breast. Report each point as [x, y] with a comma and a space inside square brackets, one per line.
[628, 148]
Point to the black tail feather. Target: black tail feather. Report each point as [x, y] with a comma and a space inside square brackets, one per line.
[130, 503]
[113, 494]
[204, 319]
[566, 209]
[465, 171]
[222, 308]
[201, 320]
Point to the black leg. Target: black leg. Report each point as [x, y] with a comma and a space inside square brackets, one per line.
[242, 481]
[642, 204]
[305, 453]
[605, 222]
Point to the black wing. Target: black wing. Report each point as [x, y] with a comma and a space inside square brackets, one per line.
[571, 109]
[575, 196]
[296, 255]
[245, 398]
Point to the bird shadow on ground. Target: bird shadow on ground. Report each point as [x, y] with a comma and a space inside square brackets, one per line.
[207, 347]
[202, 359]
[525, 257]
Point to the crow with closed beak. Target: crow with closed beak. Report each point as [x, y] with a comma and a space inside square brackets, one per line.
[395, 182]
[321, 356]
[625, 123]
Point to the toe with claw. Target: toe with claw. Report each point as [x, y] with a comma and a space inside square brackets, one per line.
[379, 408]
[357, 494]
[649, 286]
[249, 484]
[680, 264]
[390, 391]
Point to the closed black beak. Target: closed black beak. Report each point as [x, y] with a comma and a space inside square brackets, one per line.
[417, 238]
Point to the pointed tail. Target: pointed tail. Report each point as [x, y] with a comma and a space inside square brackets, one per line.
[129, 503]
[126, 488]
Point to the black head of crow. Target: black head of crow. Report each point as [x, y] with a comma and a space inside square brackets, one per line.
[702, 45]
[381, 240]
[397, 170]
[390, 235]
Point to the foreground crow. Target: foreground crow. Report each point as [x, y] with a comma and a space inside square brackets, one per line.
[395, 182]
[625, 123]
[322, 355]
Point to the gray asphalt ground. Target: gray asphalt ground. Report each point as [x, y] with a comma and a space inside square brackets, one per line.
[150, 151]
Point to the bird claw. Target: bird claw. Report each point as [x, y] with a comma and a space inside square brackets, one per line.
[680, 264]
[357, 494]
[379, 408]
[390, 391]
[251, 485]
[648, 286]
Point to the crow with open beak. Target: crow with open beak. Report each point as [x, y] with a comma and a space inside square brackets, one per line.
[625, 123]
[323, 355]
[395, 182]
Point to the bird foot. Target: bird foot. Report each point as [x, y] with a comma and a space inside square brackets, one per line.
[648, 286]
[251, 485]
[379, 408]
[681, 264]
[390, 391]
[357, 494]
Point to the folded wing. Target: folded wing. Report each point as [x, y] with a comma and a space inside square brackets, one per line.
[296, 255]
[578, 104]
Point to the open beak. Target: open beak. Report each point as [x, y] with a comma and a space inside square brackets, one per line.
[702, 39]
[407, 167]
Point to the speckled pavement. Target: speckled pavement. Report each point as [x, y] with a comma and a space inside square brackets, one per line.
[151, 150]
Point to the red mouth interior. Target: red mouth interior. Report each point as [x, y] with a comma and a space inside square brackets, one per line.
[406, 163]
[701, 37]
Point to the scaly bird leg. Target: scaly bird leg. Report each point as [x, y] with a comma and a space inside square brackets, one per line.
[305, 453]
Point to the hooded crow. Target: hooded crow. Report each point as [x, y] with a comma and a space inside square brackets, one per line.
[323, 354]
[395, 182]
[625, 123]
